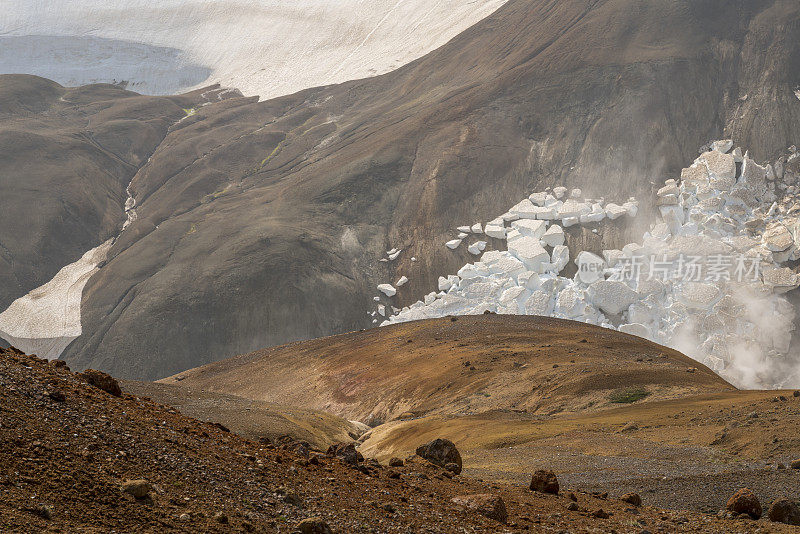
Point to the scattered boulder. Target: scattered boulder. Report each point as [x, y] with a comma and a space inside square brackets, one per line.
[784, 511]
[346, 452]
[573, 507]
[600, 514]
[103, 381]
[544, 481]
[221, 518]
[395, 462]
[313, 525]
[745, 501]
[441, 452]
[632, 498]
[139, 489]
[491, 506]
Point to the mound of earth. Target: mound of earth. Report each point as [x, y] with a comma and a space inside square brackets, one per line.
[80, 459]
[461, 365]
[250, 418]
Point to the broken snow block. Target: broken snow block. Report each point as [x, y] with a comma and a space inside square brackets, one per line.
[554, 236]
[611, 296]
[495, 231]
[615, 211]
[453, 244]
[722, 168]
[530, 227]
[559, 192]
[538, 199]
[477, 247]
[635, 329]
[477, 228]
[530, 252]
[402, 281]
[590, 267]
[724, 145]
[387, 289]
[559, 258]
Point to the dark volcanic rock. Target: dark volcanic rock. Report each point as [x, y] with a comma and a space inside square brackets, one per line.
[744, 501]
[346, 452]
[784, 511]
[491, 506]
[441, 452]
[313, 525]
[544, 481]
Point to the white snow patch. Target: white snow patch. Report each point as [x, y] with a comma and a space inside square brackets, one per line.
[47, 319]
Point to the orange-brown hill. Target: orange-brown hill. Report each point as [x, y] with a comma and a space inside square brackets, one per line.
[462, 365]
[67, 447]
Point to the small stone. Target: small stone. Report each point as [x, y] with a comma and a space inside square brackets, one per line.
[573, 507]
[745, 501]
[600, 514]
[57, 396]
[45, 511]
[313, 525]
[139, 489]
[795, 464]
[395, 462]
[491, 506]
[544, 481]
[221, 518]
[632, 498]
[184, 517]
[784, 511]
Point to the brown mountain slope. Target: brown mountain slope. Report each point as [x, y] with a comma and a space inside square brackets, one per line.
[65, 461]
[66, 157]
[459, 365]
[249, 418]
[263, 223]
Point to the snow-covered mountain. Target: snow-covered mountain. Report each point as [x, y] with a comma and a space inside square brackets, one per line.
[262, 47]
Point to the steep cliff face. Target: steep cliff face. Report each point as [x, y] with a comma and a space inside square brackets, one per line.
[262, 223]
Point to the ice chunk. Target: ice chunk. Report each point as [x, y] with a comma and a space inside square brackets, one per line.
[387, 289]
[559, 258]
[496, 231]
[615, 211]
[453, 243]
[530, 252]
[635, 329]
[530, 227]
[477, 247]
[402, 281]
[477, 228]
[611, 296]
[559, 192]
[538, 199]
[554, 236]
[590, 267]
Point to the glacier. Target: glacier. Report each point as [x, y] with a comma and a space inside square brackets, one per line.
[267, 48]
